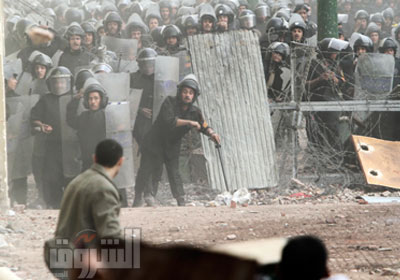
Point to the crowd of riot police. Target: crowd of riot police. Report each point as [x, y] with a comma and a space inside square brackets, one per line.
[56, 50]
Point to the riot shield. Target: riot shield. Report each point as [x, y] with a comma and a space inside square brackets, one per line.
[116, 85]
[118, 127]
[374, 76]
[373, 81]
[300, 61]
[166, 78]
[126, 51]
[185, 64]
[19, 137]
[134, 101]
[24, 84]
[71, 154]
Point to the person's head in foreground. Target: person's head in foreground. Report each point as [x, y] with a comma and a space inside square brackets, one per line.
[304, 257]
[109, 154]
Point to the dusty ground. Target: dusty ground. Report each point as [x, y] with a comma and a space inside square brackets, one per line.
[363, 240]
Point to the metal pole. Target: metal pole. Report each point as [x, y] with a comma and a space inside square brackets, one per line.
[4, 200]
[327, 19]
[218, 147]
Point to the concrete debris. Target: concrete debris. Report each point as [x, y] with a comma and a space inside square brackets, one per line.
[3, 242]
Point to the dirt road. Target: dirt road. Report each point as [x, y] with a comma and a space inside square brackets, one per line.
[363, 240]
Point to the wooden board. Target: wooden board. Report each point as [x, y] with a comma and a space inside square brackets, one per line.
[379, 160]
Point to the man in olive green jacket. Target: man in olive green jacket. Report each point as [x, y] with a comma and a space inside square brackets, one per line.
[91, 204]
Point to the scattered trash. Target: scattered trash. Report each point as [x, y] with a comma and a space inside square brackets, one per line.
[231, 237]
[11, 213]
[377, 199]
[300, 195]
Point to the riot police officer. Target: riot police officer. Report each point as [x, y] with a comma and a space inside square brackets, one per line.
[75, 55]
[162, 143]
[60, 164]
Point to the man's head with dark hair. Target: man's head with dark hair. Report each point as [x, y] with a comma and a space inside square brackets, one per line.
[108, 153]
[304, 257]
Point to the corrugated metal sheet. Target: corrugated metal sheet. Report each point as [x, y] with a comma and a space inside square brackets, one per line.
[234, 102]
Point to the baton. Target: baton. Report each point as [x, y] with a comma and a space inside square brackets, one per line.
[218, 147]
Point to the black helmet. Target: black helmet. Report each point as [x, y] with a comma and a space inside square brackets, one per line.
[136, 8]
[91, 86]
[276, 28]
[102, 67]
[262, 10]
[363, 41]
[74, 29]
[361, 14]
[55, 74]
[247, 19]
[301, 7]
[81, 77]
[73, 15]
[190, 21]
[135, 22]
[298, 24]
[88, 27]
[388, 14]
[157, 37]
[387, 43]
[38, 58]
[21, 27]
[279, 47]
[108, 8]
[244, 3]
[146, 60]
[224, 10]
[165, 4]
[283, 13]
[372, 27]
[189, 81]
[112, 17]
[377, 18]
[171, 31]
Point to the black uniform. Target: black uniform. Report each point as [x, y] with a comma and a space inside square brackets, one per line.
[91, 129]
[47, 110]
[163, 142]
[73, 59]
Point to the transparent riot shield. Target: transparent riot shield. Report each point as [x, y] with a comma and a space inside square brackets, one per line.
[126, 51]
[300, 61]
[39, 87]
[19, 137]
[116, 85]
[374, 76]
[71, 154]
[166, 78]
[185, 64]
[134, 101]
[373, 81]
[118, 127]
[24, 84]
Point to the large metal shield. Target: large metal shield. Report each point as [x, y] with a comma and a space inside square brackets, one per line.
[118, 127]
[185, 63]
[126, 51]
[166, 78]
[116, 85]
[71, 153]
[19, 137]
